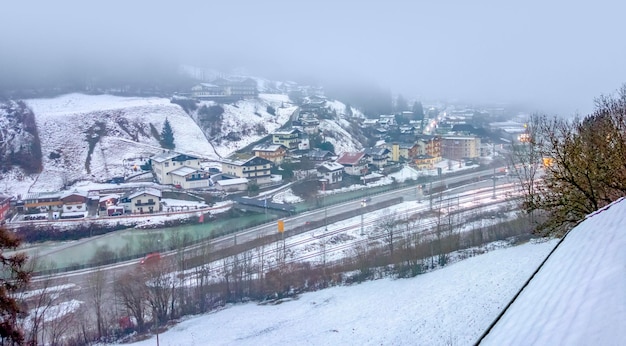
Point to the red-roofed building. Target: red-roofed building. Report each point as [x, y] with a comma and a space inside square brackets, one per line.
[354, 163]
[5, 205]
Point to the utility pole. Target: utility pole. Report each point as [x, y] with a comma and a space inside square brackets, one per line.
[494, 183]
[363, 205]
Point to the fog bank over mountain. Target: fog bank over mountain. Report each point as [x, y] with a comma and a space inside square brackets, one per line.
[554, 57]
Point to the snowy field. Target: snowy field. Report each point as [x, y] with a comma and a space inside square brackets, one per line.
[577, 298]
[452, 305]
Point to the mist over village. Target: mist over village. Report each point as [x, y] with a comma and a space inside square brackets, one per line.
[262, 173]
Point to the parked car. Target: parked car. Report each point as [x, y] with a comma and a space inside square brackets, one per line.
[151, 258]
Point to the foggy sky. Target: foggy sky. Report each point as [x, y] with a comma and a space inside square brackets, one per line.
[554, 57]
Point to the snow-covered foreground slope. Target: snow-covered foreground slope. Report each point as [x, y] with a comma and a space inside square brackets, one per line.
[453, 305]
[65, 123]
[579, 296]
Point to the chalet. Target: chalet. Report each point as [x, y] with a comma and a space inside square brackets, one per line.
[256, 169]
[460, 147]
[288, 138]
[165, 163]
[273, 152]
[43, 202]
[74, 205]
[354, 163]
[189, 178]
[377, 156]
[308, 125]
[318, 155]
[5, 206]
[387, 119]
[330, 172]
[142, 201]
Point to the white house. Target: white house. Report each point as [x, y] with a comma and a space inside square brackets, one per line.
[330, 172]
[74, 205]
[147, 200]
[165, 163]
[189, 178]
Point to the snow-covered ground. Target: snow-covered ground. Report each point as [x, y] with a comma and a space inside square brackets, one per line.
[127, 136]
[577, 298]
[251, 120]
[452, 305]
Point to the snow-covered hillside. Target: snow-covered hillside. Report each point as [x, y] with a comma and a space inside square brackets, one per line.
[121, 128]
[94, 137]
[247, 121]
[450, 306]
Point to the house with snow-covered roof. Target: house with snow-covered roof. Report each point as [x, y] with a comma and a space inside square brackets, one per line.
[142, 201]
[190, 178]
[377, 156]
[273, 152]
[289, 138]
[319, 155]
[353, 163]
[43, 202]
[256, 169]
[330, 172]
[165, 163]
[74, 204]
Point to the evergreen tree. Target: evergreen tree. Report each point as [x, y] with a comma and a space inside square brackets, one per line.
[14, 277]
[418, 111]
[167, 136]
[401, 104]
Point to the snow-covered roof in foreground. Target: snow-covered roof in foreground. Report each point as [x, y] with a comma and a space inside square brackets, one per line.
[579, 296]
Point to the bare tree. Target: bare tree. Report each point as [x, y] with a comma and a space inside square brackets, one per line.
[97, 281]
[388, 226]
[130, 290]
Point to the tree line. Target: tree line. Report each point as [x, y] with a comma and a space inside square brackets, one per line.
[570, 168]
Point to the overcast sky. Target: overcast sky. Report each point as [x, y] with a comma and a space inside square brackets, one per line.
[553, 55]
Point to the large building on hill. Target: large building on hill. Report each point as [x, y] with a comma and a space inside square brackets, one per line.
[222, 88]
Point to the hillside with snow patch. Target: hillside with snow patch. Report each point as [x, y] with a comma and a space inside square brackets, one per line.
[246, 121]
[94, 137]
[118, 128]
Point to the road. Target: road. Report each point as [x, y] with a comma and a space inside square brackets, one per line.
[80, 281]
